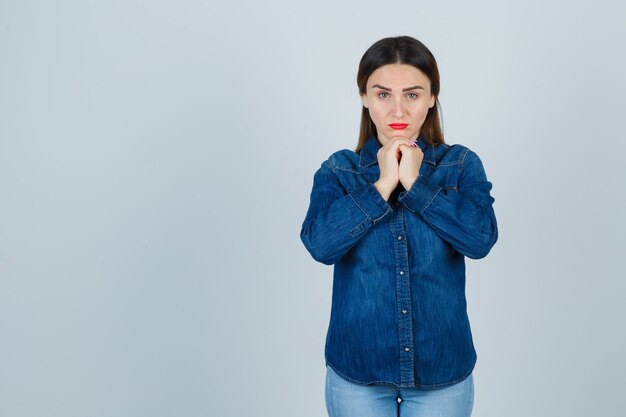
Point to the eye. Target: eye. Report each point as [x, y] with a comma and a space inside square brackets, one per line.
[379, 94]
[412, 94]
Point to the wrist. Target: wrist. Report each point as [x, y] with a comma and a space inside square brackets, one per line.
[408, 184]
[383, 188]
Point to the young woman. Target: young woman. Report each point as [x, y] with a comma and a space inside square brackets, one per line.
[397, 217]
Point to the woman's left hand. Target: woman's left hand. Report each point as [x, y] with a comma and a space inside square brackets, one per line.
[410, 163]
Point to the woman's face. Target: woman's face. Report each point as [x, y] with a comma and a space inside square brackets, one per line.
[398, 93]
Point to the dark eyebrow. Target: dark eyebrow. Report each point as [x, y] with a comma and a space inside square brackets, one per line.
[406, 89]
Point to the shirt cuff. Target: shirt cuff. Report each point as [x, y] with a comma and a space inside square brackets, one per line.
[420, 195]
[369, 200]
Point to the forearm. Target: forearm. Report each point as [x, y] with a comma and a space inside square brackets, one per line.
[329, 234]
[384, 190]
[467, 225]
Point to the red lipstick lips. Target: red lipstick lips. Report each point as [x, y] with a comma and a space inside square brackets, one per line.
[397, 126]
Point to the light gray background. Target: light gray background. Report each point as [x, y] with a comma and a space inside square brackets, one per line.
[156, 160]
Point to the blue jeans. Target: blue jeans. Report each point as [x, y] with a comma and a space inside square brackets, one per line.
[347, 399]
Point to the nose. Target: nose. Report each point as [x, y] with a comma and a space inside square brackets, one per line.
[398, 108]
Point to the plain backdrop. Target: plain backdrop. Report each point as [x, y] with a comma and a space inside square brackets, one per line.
[156, 162]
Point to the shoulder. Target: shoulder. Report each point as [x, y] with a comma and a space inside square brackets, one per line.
[455, 154]
[337, 162]
[344, 160]
[470, 164]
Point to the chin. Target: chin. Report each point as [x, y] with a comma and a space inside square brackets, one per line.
[401, 134]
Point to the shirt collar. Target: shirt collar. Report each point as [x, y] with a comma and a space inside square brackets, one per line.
[370, 149]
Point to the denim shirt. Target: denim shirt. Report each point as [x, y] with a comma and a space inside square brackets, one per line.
[398, 312]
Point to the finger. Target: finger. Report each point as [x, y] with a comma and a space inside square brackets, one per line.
[397, 141]
[411, 145]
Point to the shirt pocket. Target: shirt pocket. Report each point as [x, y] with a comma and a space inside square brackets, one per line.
[354, 180]
[445, 175]
[449, 168]
[451, 178]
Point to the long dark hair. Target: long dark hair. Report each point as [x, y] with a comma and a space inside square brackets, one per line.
[401, 50]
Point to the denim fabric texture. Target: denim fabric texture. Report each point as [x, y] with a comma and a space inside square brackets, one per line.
[398, 312]
[346, 399]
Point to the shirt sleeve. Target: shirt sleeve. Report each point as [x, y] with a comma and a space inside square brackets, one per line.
[464, 216]
[337, 219]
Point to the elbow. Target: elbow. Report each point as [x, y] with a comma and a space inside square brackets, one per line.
[482, 246]
[478, 254]
[323, 259]
[317, 251]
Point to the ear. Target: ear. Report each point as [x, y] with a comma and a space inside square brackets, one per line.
[433, 99]
[364, 100]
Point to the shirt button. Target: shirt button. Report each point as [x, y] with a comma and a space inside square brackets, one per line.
[401, 272]
[399, 237]
[403, 311]
[406, 349]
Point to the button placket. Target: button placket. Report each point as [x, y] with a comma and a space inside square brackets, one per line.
[403, 291]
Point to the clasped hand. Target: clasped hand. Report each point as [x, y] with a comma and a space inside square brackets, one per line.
[399, 161]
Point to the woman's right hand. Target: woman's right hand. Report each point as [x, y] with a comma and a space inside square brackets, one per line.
[388, 160]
